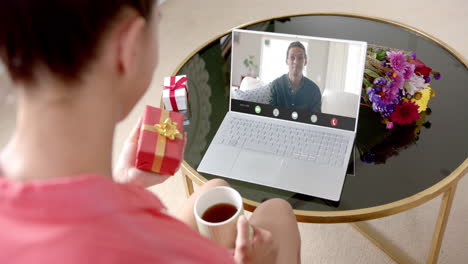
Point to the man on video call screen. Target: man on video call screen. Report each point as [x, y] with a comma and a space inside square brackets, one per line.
[294, 90]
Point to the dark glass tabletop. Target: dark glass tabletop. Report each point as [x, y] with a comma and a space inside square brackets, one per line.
[385, 167]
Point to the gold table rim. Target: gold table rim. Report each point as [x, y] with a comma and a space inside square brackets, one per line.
[345, 216]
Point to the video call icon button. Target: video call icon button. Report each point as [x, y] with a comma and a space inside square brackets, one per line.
[313, 118]
[294, 115]
[276, 112]
[334, 122]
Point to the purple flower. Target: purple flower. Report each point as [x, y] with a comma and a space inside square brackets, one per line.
[390, 108]
[413, 55]
[437, 75]
[370, 91]
[383, 100]
[391, 94]
[398, 82]
[397, 60]
[384, 110]
[389, 125]
[390, 97]
[375, 107]
[427, 79]
[383, 63]
[409, 71]
[389, 73]
[374, 98]
[380, 81]
[386, 114]
[387, 111]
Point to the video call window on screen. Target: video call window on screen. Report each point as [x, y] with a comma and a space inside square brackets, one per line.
[297, 72]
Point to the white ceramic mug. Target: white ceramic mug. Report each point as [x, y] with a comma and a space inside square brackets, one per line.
[223, 233]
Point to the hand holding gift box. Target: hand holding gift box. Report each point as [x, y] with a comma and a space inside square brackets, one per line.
[175, 93]
[161, 141]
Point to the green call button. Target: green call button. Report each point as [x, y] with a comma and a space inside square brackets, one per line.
[258, 109]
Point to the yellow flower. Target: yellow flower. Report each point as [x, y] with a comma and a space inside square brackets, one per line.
[422, 98]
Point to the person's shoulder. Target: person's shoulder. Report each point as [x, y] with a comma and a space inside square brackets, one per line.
[280, 79]
[279, 82]
[309, 83]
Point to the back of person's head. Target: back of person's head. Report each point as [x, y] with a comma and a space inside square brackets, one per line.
[296, 44]
[61, 36]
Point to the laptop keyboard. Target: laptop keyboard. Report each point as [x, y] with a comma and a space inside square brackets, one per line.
[298, 143]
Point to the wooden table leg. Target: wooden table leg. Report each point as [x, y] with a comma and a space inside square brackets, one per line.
[188, 184]
[441, 224]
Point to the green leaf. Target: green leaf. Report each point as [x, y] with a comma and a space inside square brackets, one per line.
[367, 83]
[406, 86]
[381, 54]
[371, 73]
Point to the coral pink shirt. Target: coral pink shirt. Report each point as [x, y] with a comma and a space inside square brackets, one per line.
[91, 219]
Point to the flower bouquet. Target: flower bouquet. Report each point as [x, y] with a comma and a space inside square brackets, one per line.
[396, 92]
[396, 85]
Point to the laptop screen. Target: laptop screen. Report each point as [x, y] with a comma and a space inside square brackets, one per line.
[297, 78]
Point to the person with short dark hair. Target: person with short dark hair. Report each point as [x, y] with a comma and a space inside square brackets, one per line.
[294, 90]
[79, 67]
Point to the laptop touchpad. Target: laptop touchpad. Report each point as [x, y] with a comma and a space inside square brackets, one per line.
[256, 167]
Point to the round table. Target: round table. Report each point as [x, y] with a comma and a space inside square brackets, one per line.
[401, 176]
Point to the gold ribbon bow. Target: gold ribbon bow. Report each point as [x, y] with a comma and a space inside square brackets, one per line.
[167, 129]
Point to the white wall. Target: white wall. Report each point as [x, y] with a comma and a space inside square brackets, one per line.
[343, 83]
[317, 61]
[273, 59]
[337, 63]
[246, 45]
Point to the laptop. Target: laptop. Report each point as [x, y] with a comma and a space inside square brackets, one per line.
[293, 112]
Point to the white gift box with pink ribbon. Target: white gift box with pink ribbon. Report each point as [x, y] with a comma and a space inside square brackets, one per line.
[175, 93]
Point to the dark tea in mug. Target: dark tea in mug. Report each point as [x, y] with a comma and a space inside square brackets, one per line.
[219, 212]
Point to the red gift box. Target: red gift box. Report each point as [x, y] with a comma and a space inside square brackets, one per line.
[161, 142]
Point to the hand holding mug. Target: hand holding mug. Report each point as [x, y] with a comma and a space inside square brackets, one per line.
[259, 248]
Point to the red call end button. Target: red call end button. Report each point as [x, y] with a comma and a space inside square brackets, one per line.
[334, 122]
